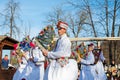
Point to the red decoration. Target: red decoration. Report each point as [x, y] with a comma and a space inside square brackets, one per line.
[62, 57]
[15, 46]
[73, 54]
[32, 44]
[42, 32]
[13, 52]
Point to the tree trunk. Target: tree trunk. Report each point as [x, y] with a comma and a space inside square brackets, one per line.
[91, 19]
[106, 9]
[114, 19]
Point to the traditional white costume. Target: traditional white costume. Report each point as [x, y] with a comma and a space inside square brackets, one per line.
[87, 68]
[34, 69]
[58, 70]
[100, 68]
[21, 67]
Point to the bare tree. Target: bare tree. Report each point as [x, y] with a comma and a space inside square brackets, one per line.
[57, 14]
[85, 7]
[11, 16]
[119, 31]
[76, 22]
[106, 9]
[26, 30]
[114, 18]
[107, 15]
[89, 11]
[111, 27]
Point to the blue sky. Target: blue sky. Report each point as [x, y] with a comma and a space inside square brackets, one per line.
[33, 12]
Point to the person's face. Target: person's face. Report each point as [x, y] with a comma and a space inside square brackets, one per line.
[113, 62]
[61, 31]
[92, 47]
[82, 44]
[89, 48]
[6, 57]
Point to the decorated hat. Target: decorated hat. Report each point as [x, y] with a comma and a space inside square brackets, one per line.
[62, 24]
[91, 44]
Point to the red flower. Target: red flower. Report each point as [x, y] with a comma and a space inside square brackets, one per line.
[62, 57]
[41, 33]
[86, 54]
[32, 44]
[15, 46]
[73, 53]
[13, 52]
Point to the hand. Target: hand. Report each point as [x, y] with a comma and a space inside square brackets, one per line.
[19, 60]
[24, 55]
[45, 52]
[79, 60]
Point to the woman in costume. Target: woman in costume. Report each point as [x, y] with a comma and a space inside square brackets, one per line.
[87, 65]
[35, 67]
[22, 64]
[20, 51]
[99, 66]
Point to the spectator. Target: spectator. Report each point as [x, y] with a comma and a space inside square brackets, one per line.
[5, 62]
[113, 70]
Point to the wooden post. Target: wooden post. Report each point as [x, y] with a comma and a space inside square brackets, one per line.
[1, 46]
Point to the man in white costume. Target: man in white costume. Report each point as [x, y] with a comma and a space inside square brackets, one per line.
[99, 66]
[22, 62]
[35, 67]
[87, 65]
[61, 66]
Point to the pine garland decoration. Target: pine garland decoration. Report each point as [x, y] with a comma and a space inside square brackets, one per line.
[46, 37]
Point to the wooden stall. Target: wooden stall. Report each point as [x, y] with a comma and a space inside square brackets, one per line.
[6, 43]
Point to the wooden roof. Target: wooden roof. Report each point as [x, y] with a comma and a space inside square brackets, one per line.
[7, 42]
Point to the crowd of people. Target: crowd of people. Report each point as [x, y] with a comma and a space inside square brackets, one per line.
[61, 65]
[112, 71]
